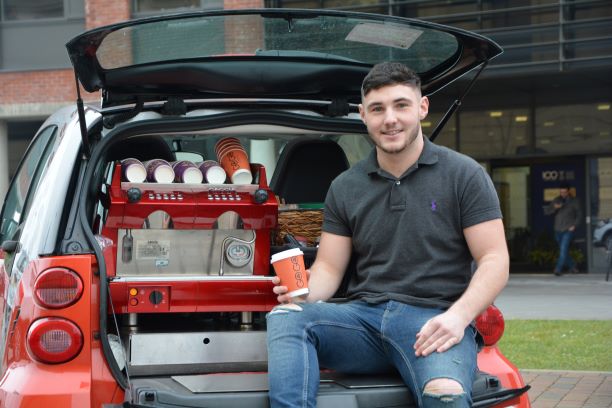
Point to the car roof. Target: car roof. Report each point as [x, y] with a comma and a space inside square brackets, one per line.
[266, 53]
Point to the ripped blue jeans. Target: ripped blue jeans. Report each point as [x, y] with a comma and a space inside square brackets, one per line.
[357, 337]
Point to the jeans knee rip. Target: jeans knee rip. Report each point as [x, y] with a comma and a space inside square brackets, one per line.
[446, 398]
[285, 308]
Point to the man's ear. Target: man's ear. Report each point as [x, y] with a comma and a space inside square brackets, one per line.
[424, 107]
[362, 113]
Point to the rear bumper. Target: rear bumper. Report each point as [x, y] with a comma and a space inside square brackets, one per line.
[30, 385]
[335, 390]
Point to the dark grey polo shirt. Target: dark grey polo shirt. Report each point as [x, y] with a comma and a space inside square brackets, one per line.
[407, 233]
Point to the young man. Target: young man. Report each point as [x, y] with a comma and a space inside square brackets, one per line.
[567, 215]
[414, 215]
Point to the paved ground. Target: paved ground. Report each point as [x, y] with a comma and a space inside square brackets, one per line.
[569, 389]
[567, 297]
[582, 297]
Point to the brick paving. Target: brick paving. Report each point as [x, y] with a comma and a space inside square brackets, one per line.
[569, 389]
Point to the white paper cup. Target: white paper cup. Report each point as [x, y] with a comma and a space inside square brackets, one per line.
[133, 170]
[187, 172]
[213, 172]
[242, 176]
[159, 171]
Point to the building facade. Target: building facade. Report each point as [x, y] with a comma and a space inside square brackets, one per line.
[539, 114]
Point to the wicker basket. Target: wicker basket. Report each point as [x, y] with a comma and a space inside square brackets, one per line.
[301, 223]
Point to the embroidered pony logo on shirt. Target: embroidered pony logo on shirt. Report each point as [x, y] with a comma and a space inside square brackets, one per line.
[434, 205]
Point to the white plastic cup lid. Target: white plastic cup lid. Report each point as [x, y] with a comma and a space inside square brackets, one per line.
[286, 254]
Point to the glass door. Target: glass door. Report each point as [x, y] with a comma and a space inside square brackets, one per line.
[512, 185]
[601, 214]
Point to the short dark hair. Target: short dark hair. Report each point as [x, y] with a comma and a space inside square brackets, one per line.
[565, 186]
[389, 73]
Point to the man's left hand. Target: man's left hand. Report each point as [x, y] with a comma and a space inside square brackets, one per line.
[439, 334]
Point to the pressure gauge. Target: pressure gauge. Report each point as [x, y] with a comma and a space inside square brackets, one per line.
[238, 254]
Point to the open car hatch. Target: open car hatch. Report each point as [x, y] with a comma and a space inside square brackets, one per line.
[267, 53]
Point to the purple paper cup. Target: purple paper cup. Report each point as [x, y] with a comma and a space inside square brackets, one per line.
[133, 171]
[159, 171]
[187, 172]
[213, 172]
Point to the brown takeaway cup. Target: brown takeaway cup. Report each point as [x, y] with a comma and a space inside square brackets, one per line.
[289, 267]
[236, 164]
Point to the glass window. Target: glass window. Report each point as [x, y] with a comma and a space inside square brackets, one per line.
[601, 213]
[32, 9]
[336, 38]
[24, 183]
[494, 133]
[446, 137]
[574, 129]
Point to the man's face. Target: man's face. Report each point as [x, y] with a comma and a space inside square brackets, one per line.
[564, 192]
[393, 116]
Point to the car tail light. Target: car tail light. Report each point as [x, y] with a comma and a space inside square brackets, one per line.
[54, 340]
[491, 325]
[56, 288]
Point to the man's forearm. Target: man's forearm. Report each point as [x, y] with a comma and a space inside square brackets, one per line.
[487, 282]
[322, 282]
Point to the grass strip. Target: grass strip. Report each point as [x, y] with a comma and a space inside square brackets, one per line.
[559, 344]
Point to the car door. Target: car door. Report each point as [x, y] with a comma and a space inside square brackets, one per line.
[14, 212]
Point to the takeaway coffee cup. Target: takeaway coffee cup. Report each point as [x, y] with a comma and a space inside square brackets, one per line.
[159, 171]
[289, 267]
[187, 172]
[235, 162]
[133, 170]
[213, 172]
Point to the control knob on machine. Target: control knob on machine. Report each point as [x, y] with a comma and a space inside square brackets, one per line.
[260, 196]
[156, 297]
[134, 194]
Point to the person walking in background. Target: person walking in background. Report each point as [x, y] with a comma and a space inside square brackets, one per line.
[567, 215]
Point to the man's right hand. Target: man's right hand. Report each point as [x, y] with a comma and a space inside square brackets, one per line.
[281, 291]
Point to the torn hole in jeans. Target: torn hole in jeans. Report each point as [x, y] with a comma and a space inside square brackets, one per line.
[286, 308]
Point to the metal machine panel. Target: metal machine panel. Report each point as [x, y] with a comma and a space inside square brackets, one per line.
[197, 348]
[154, 252]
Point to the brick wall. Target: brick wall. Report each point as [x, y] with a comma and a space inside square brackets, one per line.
[58, 86]
[103, 12]
[37, 86]
[246, 36]
[241, 4]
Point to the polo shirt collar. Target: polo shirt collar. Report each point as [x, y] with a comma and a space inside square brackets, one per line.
[429, 156]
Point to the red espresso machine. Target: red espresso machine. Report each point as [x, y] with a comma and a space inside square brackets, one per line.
[190, 247]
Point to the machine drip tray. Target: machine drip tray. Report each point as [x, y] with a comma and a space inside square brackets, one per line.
[223, 382]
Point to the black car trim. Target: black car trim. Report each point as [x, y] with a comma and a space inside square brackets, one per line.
[495, 398]
[237, 118]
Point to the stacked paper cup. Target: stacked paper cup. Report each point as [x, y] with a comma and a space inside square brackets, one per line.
[159, 171]
[133, 170]
[187, 172]
[234, 160]
[213, 173]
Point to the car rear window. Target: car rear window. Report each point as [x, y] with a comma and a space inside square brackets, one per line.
[337, 38]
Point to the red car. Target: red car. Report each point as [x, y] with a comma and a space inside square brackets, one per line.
[137, 235]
